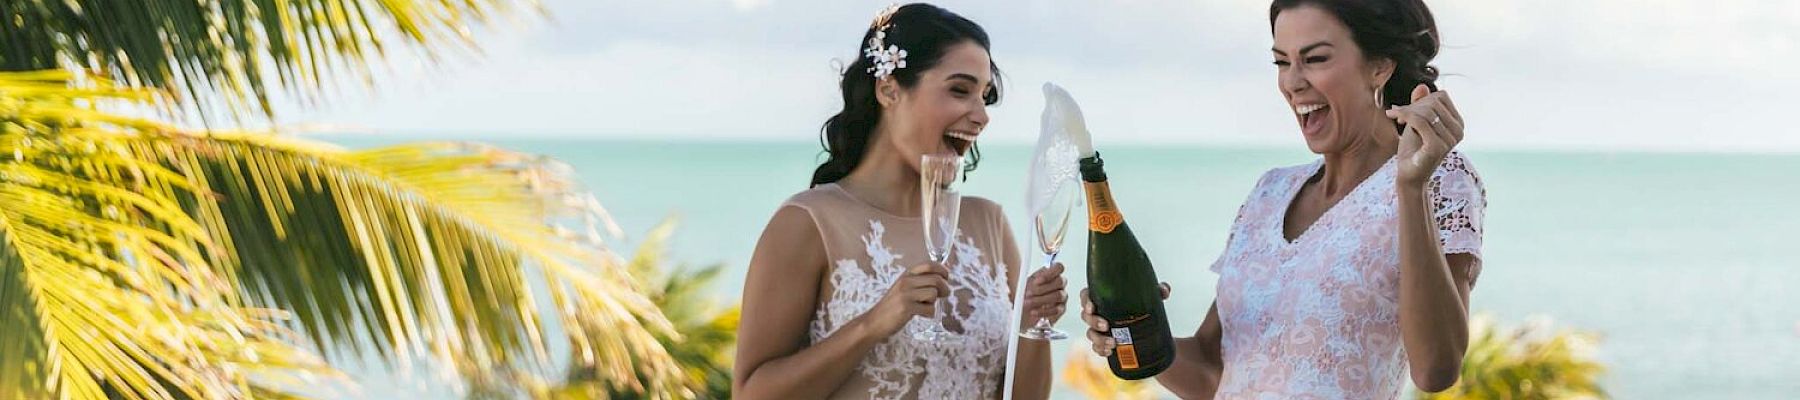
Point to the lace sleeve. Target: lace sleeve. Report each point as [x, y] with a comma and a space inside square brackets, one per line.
[1458, 203]
[1219, 264]
[1258, 192]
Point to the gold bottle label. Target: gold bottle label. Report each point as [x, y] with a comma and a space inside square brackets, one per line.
[1103, 215]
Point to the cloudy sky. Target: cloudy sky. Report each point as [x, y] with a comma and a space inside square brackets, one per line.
[1716, 75]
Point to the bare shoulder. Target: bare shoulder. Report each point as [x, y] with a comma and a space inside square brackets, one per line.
[791, 225]
[792, 241]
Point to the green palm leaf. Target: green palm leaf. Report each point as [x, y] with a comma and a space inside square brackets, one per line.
[439, 251]
[103, 288]
[233, 51]
[422, 250]
[1528, 362]
[708, 328]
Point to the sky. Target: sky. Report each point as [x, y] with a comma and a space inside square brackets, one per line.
[1656, 75]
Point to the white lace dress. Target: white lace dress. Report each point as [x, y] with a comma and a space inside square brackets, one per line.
[1318, 317]
[869, 249]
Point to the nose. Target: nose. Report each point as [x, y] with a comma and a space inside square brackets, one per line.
[979, 117]
[1292, 82]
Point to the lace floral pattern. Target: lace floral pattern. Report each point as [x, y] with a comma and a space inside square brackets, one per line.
[1318, 317]
[968, 365]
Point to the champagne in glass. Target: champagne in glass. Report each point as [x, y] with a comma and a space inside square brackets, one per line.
[1052, 224]
[940, 204]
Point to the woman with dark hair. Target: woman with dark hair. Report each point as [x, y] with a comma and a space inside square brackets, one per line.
[840, 277]
[1344, 274]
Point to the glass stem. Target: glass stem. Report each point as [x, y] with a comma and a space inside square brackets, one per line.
[940, 312]
[1043, 323]
[939, 307]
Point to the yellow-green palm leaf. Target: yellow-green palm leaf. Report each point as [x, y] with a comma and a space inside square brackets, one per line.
[708, 327]
[424, 249]
[104, 291]
[234, 50]
[1533, 361]
[440, 251]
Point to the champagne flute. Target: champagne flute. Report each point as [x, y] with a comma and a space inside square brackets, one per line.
[940, 204]
[1052, 224]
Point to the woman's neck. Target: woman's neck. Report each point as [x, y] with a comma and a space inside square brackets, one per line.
[1345, 169]
[885, 181]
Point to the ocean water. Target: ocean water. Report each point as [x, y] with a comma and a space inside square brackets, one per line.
[1685, 263]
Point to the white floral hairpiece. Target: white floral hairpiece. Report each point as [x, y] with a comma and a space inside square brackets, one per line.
[887, 58]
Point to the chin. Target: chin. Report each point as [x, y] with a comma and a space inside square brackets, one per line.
[1319, 146]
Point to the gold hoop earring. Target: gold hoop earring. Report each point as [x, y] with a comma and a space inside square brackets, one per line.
[1379, 103]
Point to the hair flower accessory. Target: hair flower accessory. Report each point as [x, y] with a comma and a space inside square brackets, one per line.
[886, 57]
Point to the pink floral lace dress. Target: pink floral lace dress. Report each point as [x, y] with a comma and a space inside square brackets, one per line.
[1318, 317]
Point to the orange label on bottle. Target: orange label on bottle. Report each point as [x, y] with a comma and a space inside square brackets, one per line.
[1104, 222]
[1126, 351]
[1103, 215]
[1127, 357]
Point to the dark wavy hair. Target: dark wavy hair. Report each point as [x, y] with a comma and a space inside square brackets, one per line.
[1399, 30]
[925, 31]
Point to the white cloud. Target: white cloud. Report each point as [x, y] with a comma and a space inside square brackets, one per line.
[744, 5]
[1534, 73]
[1720, 39]
[640, 89]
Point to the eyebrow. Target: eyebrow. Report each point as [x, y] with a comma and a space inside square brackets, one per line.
[1303, 50]
[962, 76]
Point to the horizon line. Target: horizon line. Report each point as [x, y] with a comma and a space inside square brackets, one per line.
[329, 135]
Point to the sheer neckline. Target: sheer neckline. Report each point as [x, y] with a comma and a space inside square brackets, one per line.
[865, 204]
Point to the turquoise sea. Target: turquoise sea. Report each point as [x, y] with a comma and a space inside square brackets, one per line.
[1685, 263]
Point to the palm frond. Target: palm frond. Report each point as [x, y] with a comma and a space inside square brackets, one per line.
[437, 250]
[1533, 361]
[104, 290]
[708, 328]
[422, 250]
[234, 51]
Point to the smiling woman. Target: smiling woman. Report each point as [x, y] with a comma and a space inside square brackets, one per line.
[895, 57]
[1344, 276]
[837, 284]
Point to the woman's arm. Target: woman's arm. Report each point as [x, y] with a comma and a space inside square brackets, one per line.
[780, 295]
[1199, 363]
[1434, 297]
[1434, 289]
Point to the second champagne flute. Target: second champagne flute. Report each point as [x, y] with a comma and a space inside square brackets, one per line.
[1052, 226]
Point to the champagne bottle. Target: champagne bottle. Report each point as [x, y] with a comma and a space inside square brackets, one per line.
[1122, 284]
